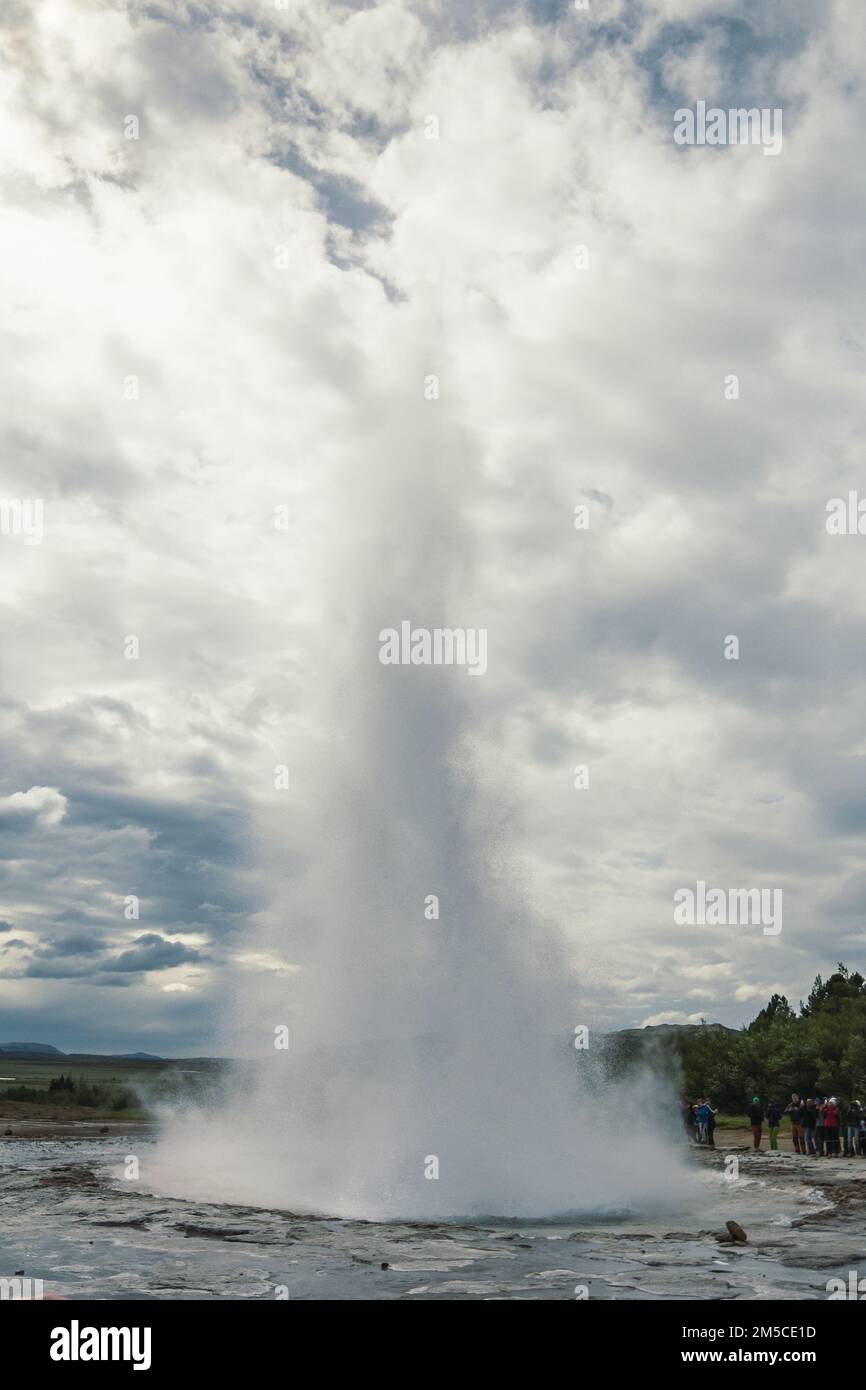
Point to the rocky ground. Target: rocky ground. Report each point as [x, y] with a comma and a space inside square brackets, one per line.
[79, 1125]
[69, 1216]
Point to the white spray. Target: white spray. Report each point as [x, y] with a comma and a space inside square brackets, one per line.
[431, 1070]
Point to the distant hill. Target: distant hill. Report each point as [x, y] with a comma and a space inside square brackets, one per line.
[673, 1028]
[27, 1049]
[662, 1045]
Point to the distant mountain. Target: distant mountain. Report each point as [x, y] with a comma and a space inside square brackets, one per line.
[46, 1050]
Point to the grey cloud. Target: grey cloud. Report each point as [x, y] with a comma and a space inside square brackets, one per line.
[153, 952]
[73, 944]
[851, 897]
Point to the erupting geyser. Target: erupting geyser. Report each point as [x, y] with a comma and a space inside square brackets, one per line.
[431, 1071]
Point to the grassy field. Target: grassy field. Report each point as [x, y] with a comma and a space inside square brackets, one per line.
[99, 1088]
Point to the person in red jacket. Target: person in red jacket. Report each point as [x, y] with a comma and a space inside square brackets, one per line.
[831, 1126]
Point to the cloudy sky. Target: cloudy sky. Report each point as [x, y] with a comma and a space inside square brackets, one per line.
[237, 241]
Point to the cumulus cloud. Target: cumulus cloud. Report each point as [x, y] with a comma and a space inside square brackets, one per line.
[45, 806]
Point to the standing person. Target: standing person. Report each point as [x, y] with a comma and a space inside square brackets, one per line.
[810, 1119]
[756, 1120]
[695, 1127]
[861, 1138]
[795, 1110]
[689, 1119]
[711, 1124]
[774, 1119]
[852, 1128]
[703, 1116]
[820, 1131]
[825, 1138]
[831, 1127]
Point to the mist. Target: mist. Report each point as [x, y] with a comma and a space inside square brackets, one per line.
[430, 1070]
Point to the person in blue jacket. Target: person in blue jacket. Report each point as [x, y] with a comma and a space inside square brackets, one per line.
[774, 1119]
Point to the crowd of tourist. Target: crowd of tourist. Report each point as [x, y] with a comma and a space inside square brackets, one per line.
[822, 1127]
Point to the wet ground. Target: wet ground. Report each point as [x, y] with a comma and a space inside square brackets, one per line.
[69, 1216]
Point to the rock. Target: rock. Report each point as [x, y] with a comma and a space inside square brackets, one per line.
[821, 1259]
[737, 1232]
[135, 1223]
[72, 1175]
[213, 1232]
